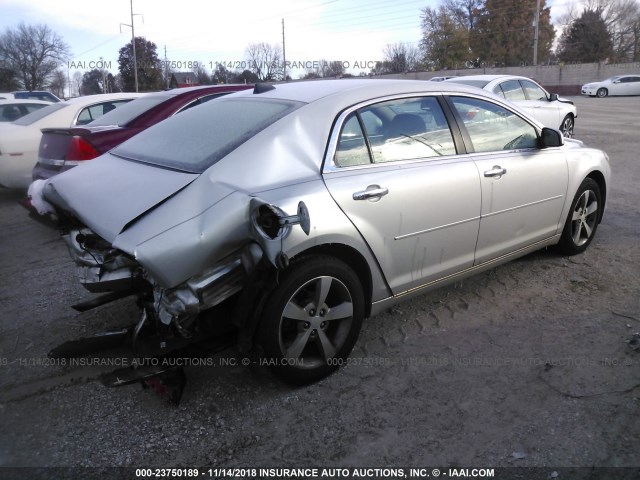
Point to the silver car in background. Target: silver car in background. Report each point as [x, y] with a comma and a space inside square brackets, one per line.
[304, 208]
[618, 85]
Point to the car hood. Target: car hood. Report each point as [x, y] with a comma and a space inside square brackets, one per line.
[105, 194]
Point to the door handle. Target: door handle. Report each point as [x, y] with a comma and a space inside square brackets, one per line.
[496, 171]
[372, 191]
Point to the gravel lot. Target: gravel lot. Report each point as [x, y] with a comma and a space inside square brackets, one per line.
[527, 365]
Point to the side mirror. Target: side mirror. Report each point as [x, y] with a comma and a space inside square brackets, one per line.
[553, 97]
[551, 138]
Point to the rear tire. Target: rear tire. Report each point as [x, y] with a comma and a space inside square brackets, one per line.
[583, 219]
[312, 319]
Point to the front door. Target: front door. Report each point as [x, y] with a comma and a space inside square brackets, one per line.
[523, 186]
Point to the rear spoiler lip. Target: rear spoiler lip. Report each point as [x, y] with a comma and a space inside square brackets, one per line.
[78, 131]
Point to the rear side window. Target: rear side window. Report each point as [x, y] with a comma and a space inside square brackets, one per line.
[404, 129]
[89, 114]
[352, 148]
[133, 109]
[200, 137]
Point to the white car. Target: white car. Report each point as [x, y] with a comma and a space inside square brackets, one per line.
[20, 140]
[547, 108]
[12, 110]
[618, 85]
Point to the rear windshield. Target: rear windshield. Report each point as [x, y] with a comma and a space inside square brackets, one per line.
[473, 83]
[38, 114]
[199, 137]
[131, 110]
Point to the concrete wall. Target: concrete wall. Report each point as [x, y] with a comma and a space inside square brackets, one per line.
[563, 79]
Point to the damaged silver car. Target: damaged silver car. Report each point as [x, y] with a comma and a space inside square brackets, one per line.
[298, 210]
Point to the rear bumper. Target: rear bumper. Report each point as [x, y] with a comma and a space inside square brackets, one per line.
[47, 168]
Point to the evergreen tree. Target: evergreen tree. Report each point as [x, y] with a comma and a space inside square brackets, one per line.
[586, 40]
[149, 68]
[504, 32]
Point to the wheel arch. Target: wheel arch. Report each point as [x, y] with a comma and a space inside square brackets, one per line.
[598, 177]
[354, 259]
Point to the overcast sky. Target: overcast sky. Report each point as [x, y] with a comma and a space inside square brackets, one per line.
[219, 31]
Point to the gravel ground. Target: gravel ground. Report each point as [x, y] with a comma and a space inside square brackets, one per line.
[528, 365]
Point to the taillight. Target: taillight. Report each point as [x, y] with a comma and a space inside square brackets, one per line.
[80, 149]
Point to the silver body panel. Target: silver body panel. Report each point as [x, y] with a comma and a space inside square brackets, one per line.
[442, 219]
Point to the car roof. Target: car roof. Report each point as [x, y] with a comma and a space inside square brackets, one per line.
[9, 101]
[487, 78]
[101, 97]
[352, 90]
[177, 91]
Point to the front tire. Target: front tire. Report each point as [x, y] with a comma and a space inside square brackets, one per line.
[602, 92]
[567, 126]
[582, 221]
[312, 319]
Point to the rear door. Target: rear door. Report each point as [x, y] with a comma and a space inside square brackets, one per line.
[393, 168]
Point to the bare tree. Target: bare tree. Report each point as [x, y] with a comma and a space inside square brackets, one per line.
[34, 52]
[76, 84]
[58, 83]
[265, 60]
[400, 57]
[324, 69]
[201, 73]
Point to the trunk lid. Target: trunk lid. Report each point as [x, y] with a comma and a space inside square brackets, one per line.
[109, 193]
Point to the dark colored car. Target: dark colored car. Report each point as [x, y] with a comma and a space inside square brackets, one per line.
[64, 148]
[36, 95]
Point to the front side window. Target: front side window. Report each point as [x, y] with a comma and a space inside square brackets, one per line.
[494, 128]
[404, 129]
[511, 90]
[533, 91]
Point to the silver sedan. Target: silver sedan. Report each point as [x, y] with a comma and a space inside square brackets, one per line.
[297, 210]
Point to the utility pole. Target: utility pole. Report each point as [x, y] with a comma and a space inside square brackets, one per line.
[284, 56]
[166, 67]
[133, 43]
[536, 30]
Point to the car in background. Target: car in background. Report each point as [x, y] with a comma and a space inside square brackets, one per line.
[30, 95]
[294, 211]
[618, 85]
[64, 148]
[547, 108]
[20, 140]
[441, 79]
[12, 110]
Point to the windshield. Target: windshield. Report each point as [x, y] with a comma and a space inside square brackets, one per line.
[131, 110]
[38, 114]
[199, 137]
